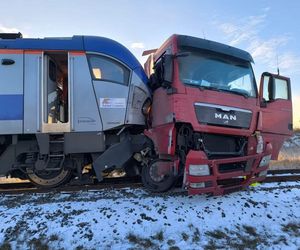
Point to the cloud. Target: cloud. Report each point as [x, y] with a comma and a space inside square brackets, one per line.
[290, 63]
[266, 51]
[4, 29]
[137, 45]
[246, 30]
[266, 9]
[246, 33]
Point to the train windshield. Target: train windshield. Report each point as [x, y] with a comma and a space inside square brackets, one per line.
[217, 72]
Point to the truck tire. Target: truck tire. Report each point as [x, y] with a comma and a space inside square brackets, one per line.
[155, 182]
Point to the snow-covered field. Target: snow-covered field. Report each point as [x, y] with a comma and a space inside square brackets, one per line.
[264, 217]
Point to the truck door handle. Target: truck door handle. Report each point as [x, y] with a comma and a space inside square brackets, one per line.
[7, 61]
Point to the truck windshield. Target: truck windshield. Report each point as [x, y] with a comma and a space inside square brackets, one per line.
[217, 72]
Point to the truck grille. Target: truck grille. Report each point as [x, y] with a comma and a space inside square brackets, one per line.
[222, 146]
[223, 115]
[231, 167]
[230, 182]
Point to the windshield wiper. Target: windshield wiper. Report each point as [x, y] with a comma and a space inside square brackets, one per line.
[224, 90]
[202, 87]
[209, 88]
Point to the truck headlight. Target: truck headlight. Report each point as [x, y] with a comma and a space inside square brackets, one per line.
[265, 161]
[260, 144]
[197, 185]
[199, 170]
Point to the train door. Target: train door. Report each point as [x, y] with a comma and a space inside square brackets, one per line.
[55, 93]
[111, 83]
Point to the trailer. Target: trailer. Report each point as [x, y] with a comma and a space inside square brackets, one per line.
[68, 107]
[211, 127]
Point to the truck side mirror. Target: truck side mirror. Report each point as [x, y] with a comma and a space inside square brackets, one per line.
[163, 75]
[167, 62]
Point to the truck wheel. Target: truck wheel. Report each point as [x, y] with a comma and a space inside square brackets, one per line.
[158, 176]
[47, 179]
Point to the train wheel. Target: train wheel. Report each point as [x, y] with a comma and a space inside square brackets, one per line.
[158, 176]
[50, 179]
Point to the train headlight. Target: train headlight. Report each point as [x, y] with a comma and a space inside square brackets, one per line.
[199, 170]
[146, 107]
[265, 161]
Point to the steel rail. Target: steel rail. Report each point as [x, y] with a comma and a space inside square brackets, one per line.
[285, 175]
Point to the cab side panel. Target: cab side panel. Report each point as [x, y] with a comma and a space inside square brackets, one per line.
[85, 115]
[112, 98]
[11, 92]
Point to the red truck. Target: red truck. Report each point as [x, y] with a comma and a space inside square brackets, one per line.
[211, 127]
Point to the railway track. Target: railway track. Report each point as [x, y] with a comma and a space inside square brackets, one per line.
[124, 182]
[107, 183]
[283, 175]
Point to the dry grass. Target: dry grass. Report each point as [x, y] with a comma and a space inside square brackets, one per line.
[289, 156]
[12, 180]
[296, 130]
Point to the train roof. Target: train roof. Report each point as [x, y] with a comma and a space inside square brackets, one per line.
[79, 43]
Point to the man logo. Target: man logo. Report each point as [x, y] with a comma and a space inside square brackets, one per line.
[225, 117]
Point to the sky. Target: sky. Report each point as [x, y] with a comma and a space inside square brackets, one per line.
[269, 30]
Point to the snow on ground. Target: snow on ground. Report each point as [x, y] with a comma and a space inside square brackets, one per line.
[293, 141]
[264, 217]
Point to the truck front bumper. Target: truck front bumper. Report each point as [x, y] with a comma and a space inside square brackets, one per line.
[224, 176]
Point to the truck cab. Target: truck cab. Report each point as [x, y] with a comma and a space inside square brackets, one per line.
[212, 127]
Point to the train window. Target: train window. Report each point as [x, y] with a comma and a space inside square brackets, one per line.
[107, 69]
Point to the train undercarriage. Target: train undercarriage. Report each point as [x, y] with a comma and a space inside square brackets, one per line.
[51, 165]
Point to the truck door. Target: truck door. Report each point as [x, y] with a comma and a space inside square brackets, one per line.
[11, 91]
[111, 83]
[276, 109]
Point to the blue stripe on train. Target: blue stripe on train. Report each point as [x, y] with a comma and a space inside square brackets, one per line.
[11, 107]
